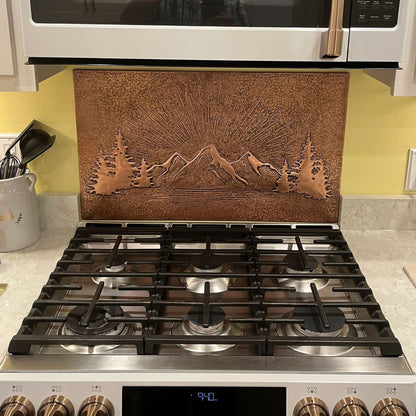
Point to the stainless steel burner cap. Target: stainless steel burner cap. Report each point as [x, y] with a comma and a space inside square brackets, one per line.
[301, 284]
[113, 282]
[98, 325]
[185, 328]
[216, 284]
[115, 269]
[215, 322]
[196, 284]
[296, 330]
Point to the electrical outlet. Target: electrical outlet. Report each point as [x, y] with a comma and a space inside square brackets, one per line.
[6, 140]
[411, 171]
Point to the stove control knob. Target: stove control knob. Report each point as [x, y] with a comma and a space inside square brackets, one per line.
[350, 406]
[390, 407]
[96, 406]
[17, 406]
[56, 406]
[311, 406]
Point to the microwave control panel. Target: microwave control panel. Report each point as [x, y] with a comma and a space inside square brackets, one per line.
[374, 13]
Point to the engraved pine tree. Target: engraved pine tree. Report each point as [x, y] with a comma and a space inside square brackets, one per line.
[124, 165]
[100, 182]
[145, 180]
[310, 174]
[283, 184]
[113, 172]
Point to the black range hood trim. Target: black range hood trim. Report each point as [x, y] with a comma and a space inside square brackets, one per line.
[212, 64]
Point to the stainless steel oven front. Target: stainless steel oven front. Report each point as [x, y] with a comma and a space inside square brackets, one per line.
[224, 386]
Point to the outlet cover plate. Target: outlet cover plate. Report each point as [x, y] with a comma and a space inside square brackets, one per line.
[411, 171]
[6, 140]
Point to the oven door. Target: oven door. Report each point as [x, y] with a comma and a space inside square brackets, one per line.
[196, 30]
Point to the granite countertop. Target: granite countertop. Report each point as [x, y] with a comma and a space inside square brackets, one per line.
[381, 255]
[25, 272]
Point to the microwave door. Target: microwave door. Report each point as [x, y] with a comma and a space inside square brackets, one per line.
[193, 30]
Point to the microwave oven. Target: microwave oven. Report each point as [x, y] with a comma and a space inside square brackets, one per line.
[360, 33]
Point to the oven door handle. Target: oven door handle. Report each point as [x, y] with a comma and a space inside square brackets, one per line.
[334, 35]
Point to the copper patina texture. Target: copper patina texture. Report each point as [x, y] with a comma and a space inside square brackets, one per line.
[211, 146]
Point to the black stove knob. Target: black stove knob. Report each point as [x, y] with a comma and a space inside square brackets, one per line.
[311, 406]
[56, 406]
[96, 406]
[17, 406]
[390, 407]
[350, 406]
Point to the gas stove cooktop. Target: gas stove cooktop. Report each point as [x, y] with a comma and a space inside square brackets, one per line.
[273, 303]
[193, 288]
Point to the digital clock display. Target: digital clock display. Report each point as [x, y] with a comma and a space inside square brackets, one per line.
[208, 396]
[204, 401]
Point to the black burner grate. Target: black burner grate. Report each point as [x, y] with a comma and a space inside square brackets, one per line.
[152, 292]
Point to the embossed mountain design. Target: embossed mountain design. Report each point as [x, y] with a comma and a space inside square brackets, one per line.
[208, 169]
[260, 175]
[244, 171]
[167, 170]
[209, 159]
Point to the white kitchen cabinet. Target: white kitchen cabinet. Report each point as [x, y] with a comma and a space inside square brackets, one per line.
[402, 82]
[14, 74]
[6, 53]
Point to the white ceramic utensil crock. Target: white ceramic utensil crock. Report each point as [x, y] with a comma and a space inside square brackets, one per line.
[19, 219]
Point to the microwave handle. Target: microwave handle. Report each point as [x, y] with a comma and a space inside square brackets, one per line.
[333, 37]
[87, 4]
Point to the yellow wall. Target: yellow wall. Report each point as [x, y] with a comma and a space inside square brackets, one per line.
[380, 130]
[53, 105]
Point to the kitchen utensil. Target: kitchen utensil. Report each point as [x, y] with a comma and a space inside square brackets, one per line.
[9, 166]
[32, 144]
[19, 220]
[19, 137]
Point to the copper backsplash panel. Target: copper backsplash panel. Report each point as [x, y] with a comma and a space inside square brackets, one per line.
[222, 146]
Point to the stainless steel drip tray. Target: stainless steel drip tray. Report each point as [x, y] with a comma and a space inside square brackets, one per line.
[138, 363]
[132, 241]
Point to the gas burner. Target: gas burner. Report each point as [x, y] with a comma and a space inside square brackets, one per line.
[216, 320]
[298, 263]
[313, 323]
[196, 284]
[78, 324]
[218, 325]
[207, 261]
[313, 327]
[118, 265]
